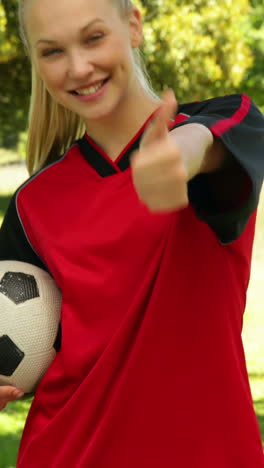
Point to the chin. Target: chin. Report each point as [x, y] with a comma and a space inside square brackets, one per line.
[103, 113]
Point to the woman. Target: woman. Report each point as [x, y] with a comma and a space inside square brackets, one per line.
[146, 224]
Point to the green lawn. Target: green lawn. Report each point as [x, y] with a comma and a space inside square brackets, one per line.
[13, 417]
[12, 421]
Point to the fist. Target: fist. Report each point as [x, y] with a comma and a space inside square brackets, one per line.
[158, 171]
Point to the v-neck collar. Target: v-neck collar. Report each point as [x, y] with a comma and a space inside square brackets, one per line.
[100, 160]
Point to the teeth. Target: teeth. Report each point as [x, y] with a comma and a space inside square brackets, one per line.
[91, 90]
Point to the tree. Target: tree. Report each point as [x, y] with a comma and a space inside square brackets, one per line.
[196, 47]
[15, 77]
[253, 82]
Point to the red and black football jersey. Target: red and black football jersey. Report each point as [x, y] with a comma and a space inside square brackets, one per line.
[150, 371]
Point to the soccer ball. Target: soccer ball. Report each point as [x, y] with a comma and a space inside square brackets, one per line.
[30, 306]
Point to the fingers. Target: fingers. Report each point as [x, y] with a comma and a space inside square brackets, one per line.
[168, 109]
[9, 393]
[158, 128]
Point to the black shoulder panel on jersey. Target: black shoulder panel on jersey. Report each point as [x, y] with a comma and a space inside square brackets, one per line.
[240, 125]
[14, 244]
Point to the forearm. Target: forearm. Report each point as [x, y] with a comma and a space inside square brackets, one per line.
[201, 152]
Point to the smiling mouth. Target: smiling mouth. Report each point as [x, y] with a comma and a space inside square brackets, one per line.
[91, 90]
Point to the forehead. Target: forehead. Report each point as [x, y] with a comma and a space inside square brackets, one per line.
[53, 17]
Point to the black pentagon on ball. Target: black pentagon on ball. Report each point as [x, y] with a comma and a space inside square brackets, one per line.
[19, 287]
[10, 356]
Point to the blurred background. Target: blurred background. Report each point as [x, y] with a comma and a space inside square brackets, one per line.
[201, 49]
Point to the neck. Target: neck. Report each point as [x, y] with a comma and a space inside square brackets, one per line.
[114, 132]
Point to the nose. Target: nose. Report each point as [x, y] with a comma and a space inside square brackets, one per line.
[79, 65]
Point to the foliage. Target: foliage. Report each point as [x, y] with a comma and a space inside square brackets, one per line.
[253, 82]
[15, 77]
[7, 49]
[14, 100]
[196, 47]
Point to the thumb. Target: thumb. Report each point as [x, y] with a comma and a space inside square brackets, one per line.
[158, 127]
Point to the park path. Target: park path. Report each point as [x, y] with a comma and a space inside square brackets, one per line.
[11, 176]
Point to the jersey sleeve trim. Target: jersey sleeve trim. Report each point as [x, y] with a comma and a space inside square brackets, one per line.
[222, 126]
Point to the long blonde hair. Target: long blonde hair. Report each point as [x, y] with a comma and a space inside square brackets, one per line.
[52, 128]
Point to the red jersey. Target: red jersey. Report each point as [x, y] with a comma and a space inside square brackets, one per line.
[151, 369]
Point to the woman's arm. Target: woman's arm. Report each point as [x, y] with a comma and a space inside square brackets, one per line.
[212, 157]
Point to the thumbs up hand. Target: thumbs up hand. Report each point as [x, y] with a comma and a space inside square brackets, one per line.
[159, 173]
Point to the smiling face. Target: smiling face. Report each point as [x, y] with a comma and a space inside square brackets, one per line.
[82, 50]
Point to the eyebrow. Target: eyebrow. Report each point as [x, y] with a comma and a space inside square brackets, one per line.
[87, 26]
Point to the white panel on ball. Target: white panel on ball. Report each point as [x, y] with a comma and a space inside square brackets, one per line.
[30, 307]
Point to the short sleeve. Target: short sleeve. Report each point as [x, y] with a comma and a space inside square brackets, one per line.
[239, 124]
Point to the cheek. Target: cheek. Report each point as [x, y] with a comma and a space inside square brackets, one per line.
[117, 54]
[52, 76]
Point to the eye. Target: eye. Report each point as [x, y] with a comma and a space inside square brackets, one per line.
[95, 37]
[49, 52]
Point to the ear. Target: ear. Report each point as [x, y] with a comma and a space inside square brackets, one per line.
[136, 28]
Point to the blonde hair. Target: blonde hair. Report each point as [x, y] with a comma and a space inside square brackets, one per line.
[52, 128]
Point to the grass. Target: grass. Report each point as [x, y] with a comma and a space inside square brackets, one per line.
[13, 417]
[12, 421]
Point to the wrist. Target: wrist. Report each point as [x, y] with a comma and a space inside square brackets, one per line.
[195, 143]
